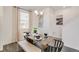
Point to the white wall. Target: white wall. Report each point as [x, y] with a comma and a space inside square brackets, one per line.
[1, 18]
[46, 21]
[55, 30]
[14, 24]
[71, 27]
[34, 20]
[49, 23]
[9, 25]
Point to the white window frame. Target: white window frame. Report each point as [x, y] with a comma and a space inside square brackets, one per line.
[26, 24]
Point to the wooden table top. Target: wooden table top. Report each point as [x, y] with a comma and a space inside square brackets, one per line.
[45, 41]
[32, 48]
[28, 47]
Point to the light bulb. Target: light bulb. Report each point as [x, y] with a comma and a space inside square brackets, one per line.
[36, 12]
[41, 13]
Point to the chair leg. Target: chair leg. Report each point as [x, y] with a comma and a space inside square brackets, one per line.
[51, 49]
[59, 49]
[55, 49]
[48, 49]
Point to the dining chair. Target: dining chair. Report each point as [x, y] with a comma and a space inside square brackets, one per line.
[58, 45]
[26, 35]
[45, 35]
[28, 39]
[37, 39]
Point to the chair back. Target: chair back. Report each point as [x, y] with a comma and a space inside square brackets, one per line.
[45, 35]
[58, 45]
[26, 35]
[38, 37]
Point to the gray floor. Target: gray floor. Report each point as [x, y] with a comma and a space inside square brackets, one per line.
[68, 49]
[14, 47]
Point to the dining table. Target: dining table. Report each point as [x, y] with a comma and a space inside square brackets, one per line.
[43, 42]
[37, 45]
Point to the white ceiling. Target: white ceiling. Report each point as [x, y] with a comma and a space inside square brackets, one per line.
[42, 7]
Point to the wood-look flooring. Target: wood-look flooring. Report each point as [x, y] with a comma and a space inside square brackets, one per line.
[13, 47]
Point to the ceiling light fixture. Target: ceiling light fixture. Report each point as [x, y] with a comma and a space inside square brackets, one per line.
[38, 12]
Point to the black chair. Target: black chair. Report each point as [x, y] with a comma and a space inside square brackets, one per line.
[58, 45]
[38, 37]
[27, 33]
[27, 38]
[45, 35]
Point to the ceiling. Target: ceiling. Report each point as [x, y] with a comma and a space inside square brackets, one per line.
[42, 7]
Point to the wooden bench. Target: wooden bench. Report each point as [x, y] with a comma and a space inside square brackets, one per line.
[28, 47]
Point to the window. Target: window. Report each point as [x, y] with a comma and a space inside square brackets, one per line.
[24, 19]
